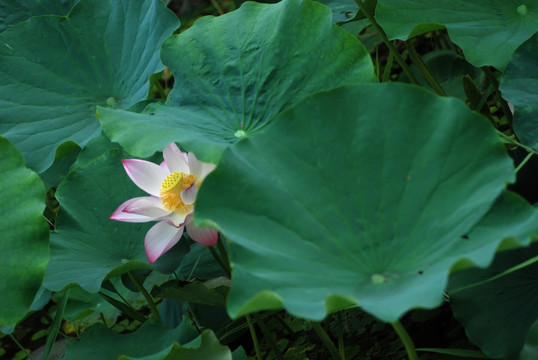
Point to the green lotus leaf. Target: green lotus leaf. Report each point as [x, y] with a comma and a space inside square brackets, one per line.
[13, 12]
[99, 342]
[234, 73]
[488, 31]
[511, 222]
[519, 86]
[25, 233]
[343, 10]
[530, 349]
[363, 204]
[498, 314]
[54, 70]
[204, 347]
[87, 246]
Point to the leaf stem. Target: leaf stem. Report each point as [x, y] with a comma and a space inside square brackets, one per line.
[146, 295]
[421, 66]
[522, 163]
[326, 340]
[406, 340]
[125, 307]
[515, 142]
[254, 337]
[389, 44]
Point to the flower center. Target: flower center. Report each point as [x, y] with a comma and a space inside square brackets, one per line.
[171, 189]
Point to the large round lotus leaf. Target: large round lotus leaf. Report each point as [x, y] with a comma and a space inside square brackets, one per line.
[204, 347]
[520, 86]
[488, 31]
[87, 246]
[99, 342]
[24, 234]
[13, 12]
[498, 314]
[336, 204]
[234, 73]
[54, 70]
[343, 10]
[510, 222]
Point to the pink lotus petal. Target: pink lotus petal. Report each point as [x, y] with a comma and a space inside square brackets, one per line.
[176, 219]
[199, 169]
[188, 196]
[148, 206]
[146, 175]
[160, 238]
[175, 160]
[204, 236]
[121, 215]
[164, 166]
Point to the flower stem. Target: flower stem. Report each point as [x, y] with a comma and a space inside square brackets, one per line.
[146, 295]
[406, 340]
[326, 340]
[387, 42]
[254, 337]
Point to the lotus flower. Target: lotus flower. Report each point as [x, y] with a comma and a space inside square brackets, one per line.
[173, 187]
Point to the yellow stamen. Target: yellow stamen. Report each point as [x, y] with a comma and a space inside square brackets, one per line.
[171, 189]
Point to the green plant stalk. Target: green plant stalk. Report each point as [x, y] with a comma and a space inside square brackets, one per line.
[421, 66]
[146, 295]
[20, 346]
[515, 142]
[326, 340]
[107, 284]
[254, 337]
[406, 340]
[197, 324]
[388, 68]
[55, 326]
[268, 336]
[522, 163]
[126, 309]
[389, 44]
[217, 6]
[341, 348]
[160, 90]
[377, 65]
[484, 97]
